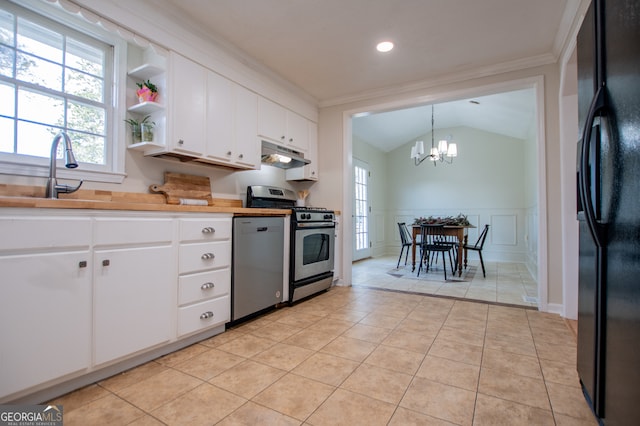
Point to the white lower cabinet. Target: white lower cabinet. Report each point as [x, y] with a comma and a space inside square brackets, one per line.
[132, 300]
[45, 299]
[134, 278]
[45, 318]
[81, 292]
[205, 274]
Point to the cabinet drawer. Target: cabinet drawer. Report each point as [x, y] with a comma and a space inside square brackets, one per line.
[206, 285]
[132, 231]
[44, 232]
[205, 229]
[203, 315]
[200, 257]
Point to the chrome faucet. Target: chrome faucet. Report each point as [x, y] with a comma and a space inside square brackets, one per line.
[53, 188]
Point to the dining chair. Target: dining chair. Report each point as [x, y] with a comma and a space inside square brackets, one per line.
[431, 243]
[407, 242]
[478, 246]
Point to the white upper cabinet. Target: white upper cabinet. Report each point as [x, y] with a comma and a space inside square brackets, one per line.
[272, 121]
[282, 126]
[297, 131]
[231, 123]
[310, 171]
[188, 100]
[246, 128]
[219, 117]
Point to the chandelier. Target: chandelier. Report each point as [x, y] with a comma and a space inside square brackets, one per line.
[444, 152]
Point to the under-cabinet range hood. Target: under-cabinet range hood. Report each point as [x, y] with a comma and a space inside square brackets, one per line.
[282, 157]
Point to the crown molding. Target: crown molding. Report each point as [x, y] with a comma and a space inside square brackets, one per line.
[449, 78]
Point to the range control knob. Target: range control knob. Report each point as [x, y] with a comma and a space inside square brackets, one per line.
[328, 216]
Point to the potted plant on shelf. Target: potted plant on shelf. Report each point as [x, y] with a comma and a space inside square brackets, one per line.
[141, 131]
[147, 91]
[136, 136]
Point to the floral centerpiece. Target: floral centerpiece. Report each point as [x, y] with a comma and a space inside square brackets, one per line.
[460, 220]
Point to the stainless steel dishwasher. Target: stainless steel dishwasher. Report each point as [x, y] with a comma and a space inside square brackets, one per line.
[258, 259]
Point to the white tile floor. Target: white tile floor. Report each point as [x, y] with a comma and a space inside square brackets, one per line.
[509, 283]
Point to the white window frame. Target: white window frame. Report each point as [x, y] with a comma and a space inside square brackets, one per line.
[114, 169]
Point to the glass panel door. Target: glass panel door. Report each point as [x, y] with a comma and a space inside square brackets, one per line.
[361, 239]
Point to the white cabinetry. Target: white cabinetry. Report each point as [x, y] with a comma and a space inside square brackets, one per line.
[133, 285]
[204, 282]
[231, 123]
[86, 293]
[187, 112]
[310, 171]
[210, 119]
[282, 126]
[45, 300]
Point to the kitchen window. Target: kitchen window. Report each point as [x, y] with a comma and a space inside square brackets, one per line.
[56, 78]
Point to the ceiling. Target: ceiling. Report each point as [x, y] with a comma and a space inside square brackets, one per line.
[511, 114]
[327, 47]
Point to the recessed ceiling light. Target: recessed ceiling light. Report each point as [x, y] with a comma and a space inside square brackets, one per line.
[384, 46]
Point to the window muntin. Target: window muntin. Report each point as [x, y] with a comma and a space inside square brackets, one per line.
[53, 78]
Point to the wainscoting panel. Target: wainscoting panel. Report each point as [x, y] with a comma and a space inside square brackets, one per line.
[504, 230]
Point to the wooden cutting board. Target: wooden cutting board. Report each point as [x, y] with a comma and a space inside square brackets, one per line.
[179, 187]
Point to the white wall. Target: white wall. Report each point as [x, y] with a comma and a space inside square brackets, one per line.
[485, 182]
[376, 161]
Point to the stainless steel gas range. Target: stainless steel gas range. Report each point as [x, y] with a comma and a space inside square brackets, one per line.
[312, 240]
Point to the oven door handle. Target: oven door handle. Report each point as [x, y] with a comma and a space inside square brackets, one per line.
[317, 225]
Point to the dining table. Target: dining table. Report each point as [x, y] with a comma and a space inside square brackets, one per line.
[459, 231]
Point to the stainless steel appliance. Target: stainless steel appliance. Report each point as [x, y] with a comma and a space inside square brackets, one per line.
[258, 264]
[312, 240]
[608, 205]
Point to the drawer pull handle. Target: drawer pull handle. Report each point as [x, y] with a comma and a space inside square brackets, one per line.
[207, 286]
[206, 315]
[207, 256]
[208, 230]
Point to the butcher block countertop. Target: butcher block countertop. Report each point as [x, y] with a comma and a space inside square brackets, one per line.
[33, 197]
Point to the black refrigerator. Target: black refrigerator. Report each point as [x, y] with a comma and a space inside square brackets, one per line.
[608, 180]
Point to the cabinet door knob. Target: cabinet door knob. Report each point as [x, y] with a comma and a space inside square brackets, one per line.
[241, 156]
[206, 315]
[229, 153]
[180, 142]
[82, 264]
[208, 230]
[207, 256]
[207, 286]
[106, 262]
[290, 139]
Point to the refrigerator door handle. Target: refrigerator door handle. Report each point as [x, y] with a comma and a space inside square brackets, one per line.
[596, 228]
